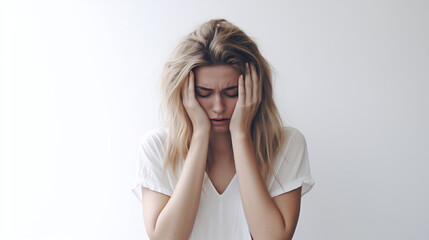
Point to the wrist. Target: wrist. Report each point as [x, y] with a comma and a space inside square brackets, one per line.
[201, 133]
[239, 134]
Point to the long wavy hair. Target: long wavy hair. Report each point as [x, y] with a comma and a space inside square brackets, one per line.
[217, 42]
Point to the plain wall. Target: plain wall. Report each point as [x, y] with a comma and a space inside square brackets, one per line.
[79, 86]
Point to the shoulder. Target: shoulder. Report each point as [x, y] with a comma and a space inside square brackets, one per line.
[152, 149]
[151, 162]
[293, 137]
[154, 138]
[294, 148]
[152, 143]
[291, 168]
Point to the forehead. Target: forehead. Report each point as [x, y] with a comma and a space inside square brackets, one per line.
[216, 76]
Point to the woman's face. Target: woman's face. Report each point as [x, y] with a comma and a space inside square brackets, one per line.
[216, 89]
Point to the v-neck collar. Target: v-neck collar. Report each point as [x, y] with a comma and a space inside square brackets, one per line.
[213, 187]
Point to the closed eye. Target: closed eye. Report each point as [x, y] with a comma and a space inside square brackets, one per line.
[206, 92]
[202, 95]
[229, 94]
[203, 92]
[231, 91]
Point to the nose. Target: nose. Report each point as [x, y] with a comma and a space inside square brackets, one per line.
[218, 105]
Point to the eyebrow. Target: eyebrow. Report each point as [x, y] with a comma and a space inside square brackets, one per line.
[209, 89]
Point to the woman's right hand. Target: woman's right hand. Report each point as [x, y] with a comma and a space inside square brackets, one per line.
[199, 118]
[173, 217]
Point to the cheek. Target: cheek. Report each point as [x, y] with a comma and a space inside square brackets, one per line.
[203, 103]
[232, 102]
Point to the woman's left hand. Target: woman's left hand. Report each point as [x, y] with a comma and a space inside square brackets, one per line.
[249, 99]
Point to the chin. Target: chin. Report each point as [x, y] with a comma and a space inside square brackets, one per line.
[223, 129]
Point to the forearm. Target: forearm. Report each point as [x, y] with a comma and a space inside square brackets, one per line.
[263, 217]
[177, 218]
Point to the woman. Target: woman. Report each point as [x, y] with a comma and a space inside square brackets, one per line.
[224, 167]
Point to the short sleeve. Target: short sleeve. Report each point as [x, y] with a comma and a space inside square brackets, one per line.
[292, 167]
[150, 172]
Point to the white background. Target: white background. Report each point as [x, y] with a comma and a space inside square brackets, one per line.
[79, 86]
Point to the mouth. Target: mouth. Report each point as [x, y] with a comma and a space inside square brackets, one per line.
[219, 121]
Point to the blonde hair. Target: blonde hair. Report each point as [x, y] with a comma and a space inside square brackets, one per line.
[218, 42]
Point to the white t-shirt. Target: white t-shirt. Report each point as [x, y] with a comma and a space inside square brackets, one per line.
[221, 216]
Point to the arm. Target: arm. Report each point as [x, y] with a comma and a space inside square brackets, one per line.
[268, 218]
[173, 217]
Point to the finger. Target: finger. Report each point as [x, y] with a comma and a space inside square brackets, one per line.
[191, 88]
[259, 92]
[248, 84]
[241, 92]
[185, 90]
[255, 81]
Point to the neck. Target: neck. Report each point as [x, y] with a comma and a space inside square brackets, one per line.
[220, 147]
